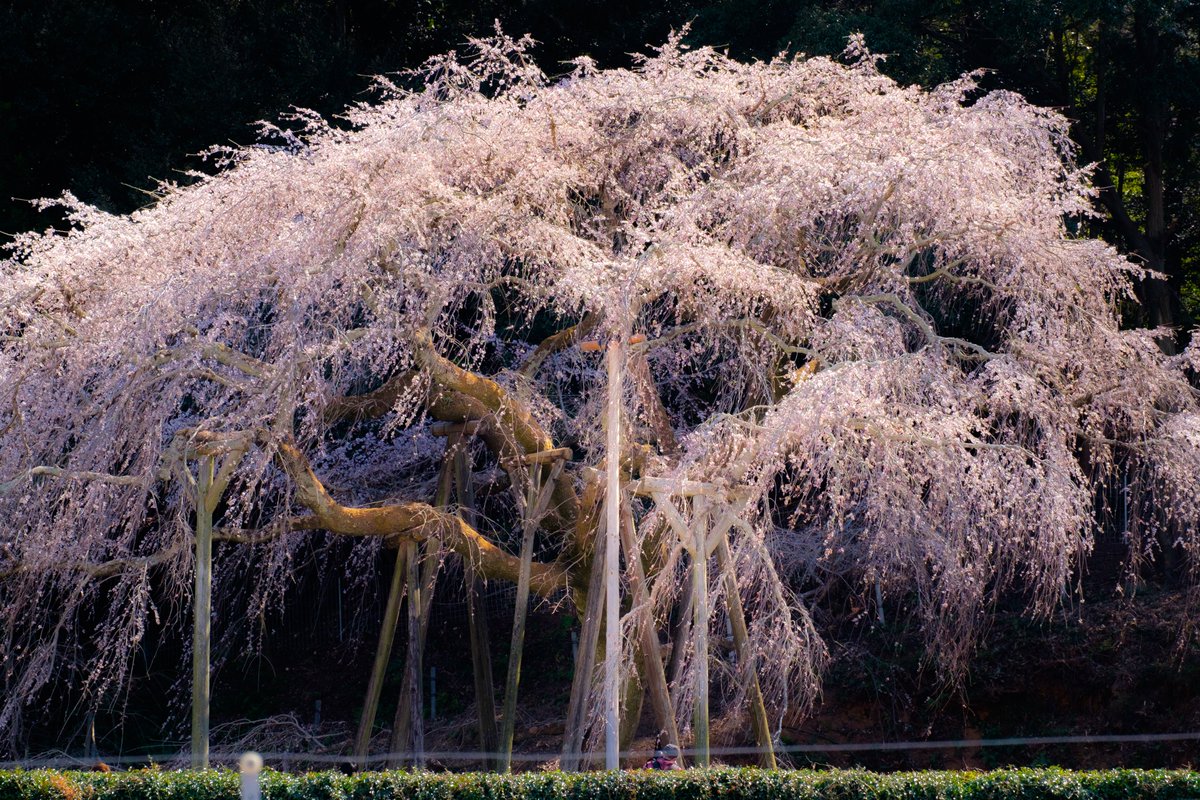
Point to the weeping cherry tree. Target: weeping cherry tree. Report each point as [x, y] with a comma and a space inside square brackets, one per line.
[863, 346]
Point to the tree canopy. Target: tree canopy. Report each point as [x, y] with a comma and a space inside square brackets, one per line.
[858, 314]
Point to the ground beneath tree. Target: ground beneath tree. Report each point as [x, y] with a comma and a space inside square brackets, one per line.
[1118, 666]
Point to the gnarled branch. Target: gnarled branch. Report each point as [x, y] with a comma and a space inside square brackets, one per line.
[417, 521]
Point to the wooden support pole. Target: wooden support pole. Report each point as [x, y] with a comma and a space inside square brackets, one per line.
[746, 660]
[585, 664]
[654, 487]
[383, 654]
[206, 501]
[415, 656]
[543, 456]
[387, 630]
[700, 627]
[655, 677]
[612, 553]
[401, 726]
[454, 429]
[477, 624]
[535, 508]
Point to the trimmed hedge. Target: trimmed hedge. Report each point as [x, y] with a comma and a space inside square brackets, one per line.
[726, 784]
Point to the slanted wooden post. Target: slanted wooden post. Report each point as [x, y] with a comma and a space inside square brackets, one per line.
[202, 613]
[741, 642]
[383, 654]
[581, 685]
[680, 631]
[536, 501]
[403, 725]
[656, 679]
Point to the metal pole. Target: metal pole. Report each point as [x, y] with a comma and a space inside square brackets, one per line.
[612, 550]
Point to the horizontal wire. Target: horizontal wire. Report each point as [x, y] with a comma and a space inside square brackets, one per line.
[467, 755]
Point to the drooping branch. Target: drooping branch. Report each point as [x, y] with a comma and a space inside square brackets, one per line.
[106, 569]
[556, 343]
[83, 475]
[373, 404]
[413, 520]
[510, 430]
[221, 353]
[523, 432]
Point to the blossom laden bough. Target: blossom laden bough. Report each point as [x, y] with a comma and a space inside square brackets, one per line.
[862, 320]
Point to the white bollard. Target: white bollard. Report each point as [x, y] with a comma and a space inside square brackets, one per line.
[249, 765]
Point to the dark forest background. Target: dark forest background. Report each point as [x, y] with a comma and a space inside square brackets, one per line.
[103, 97]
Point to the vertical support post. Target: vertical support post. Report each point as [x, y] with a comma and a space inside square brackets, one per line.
[741, 643]
[481, 653]
[383, 654]
[582, 683]
[387, 631]
[415, 646]
[700, 625]
[202, 613]
[612, 551]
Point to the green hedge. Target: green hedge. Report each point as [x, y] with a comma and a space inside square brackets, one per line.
[727, 784]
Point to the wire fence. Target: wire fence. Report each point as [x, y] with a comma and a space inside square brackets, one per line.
[285, 760]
